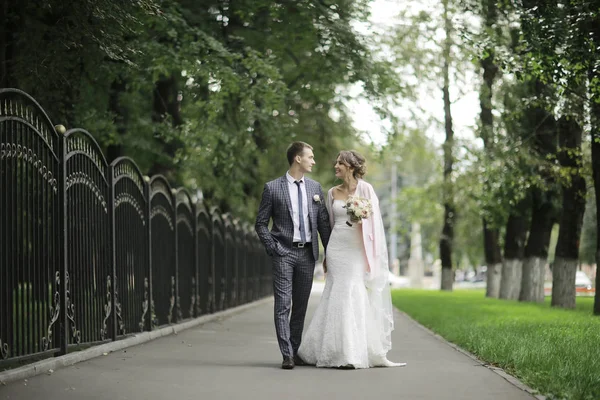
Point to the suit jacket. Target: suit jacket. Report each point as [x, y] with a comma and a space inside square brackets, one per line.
[276, 205]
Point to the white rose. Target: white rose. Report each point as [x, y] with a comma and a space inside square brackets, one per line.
[317, 198]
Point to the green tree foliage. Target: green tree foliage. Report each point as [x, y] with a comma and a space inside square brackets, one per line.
[207, 92]
[419, 194]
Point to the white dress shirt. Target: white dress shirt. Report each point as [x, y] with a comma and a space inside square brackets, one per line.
[293, 189]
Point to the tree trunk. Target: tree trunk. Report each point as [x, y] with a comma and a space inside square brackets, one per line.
[595, 143]
[446, 248]
[514, 247]
[563, 282]
[491, 235]
[532, 284]
[493, 279]
[490, 71]
[536, 250]
[493, 259]
[571, 220]
[447, 237]
[542, 125]
[594, 75]
[510, 282]
[447, 279]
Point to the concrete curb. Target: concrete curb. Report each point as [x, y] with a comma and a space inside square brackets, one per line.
[52, 364]
[509, 378]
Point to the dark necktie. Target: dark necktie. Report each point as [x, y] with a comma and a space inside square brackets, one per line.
[301, 213]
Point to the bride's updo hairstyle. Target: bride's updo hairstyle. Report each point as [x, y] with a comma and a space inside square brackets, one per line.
[352, 159]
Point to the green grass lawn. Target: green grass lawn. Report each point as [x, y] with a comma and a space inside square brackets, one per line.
[556, 352]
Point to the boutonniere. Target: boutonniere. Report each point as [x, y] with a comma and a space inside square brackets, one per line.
[317, 198]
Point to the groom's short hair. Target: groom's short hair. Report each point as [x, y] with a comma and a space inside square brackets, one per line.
[296, 149]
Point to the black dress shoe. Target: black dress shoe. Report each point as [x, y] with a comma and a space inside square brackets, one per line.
[299, 361]
[288, 363]
[347, 366]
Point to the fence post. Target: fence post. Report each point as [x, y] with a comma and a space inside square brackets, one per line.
[196, 273]
[63, 319]
[227, 256]
[177, 313]
[148, 290]
[113, 250]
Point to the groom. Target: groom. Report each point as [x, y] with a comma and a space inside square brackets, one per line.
[297, 207]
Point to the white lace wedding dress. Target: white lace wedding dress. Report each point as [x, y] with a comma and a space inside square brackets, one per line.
[343, 331]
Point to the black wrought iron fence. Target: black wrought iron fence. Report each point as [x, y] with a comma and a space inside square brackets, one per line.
[91, 251]
[31, 220]
[240, 251]
[218, 267]
[186, 255]
[131, 255]
[88, 280]
[204, 257]
[230, 262]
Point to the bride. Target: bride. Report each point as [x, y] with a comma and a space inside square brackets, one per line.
[352, 325]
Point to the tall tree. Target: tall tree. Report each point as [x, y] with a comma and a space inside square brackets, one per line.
[447, 237]
[561, 43]
[592, 22]
[517, 224]
[491, 236]
[571, 221]
[542, 126]
[432, 57]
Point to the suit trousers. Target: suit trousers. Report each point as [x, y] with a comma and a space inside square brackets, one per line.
[292, 283]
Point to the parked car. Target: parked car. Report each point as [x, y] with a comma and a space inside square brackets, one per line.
[583, 285]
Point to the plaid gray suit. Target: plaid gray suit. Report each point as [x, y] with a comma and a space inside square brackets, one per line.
[293, 268]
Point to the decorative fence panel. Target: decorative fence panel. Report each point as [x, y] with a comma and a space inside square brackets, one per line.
[91, 252]
[204, 257]
[264, 266]
[131, 259]
[258, 271]
[240, 250]
[230, 262]
[186, 255]
[31, 198]
[252, 278]
[218, 267]
[88, 280]
[164, 247]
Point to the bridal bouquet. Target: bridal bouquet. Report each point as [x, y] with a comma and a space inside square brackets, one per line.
[358, 208]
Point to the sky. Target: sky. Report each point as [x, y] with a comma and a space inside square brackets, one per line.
[465, 110]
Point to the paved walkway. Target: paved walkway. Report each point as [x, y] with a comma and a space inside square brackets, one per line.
[238, 358]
